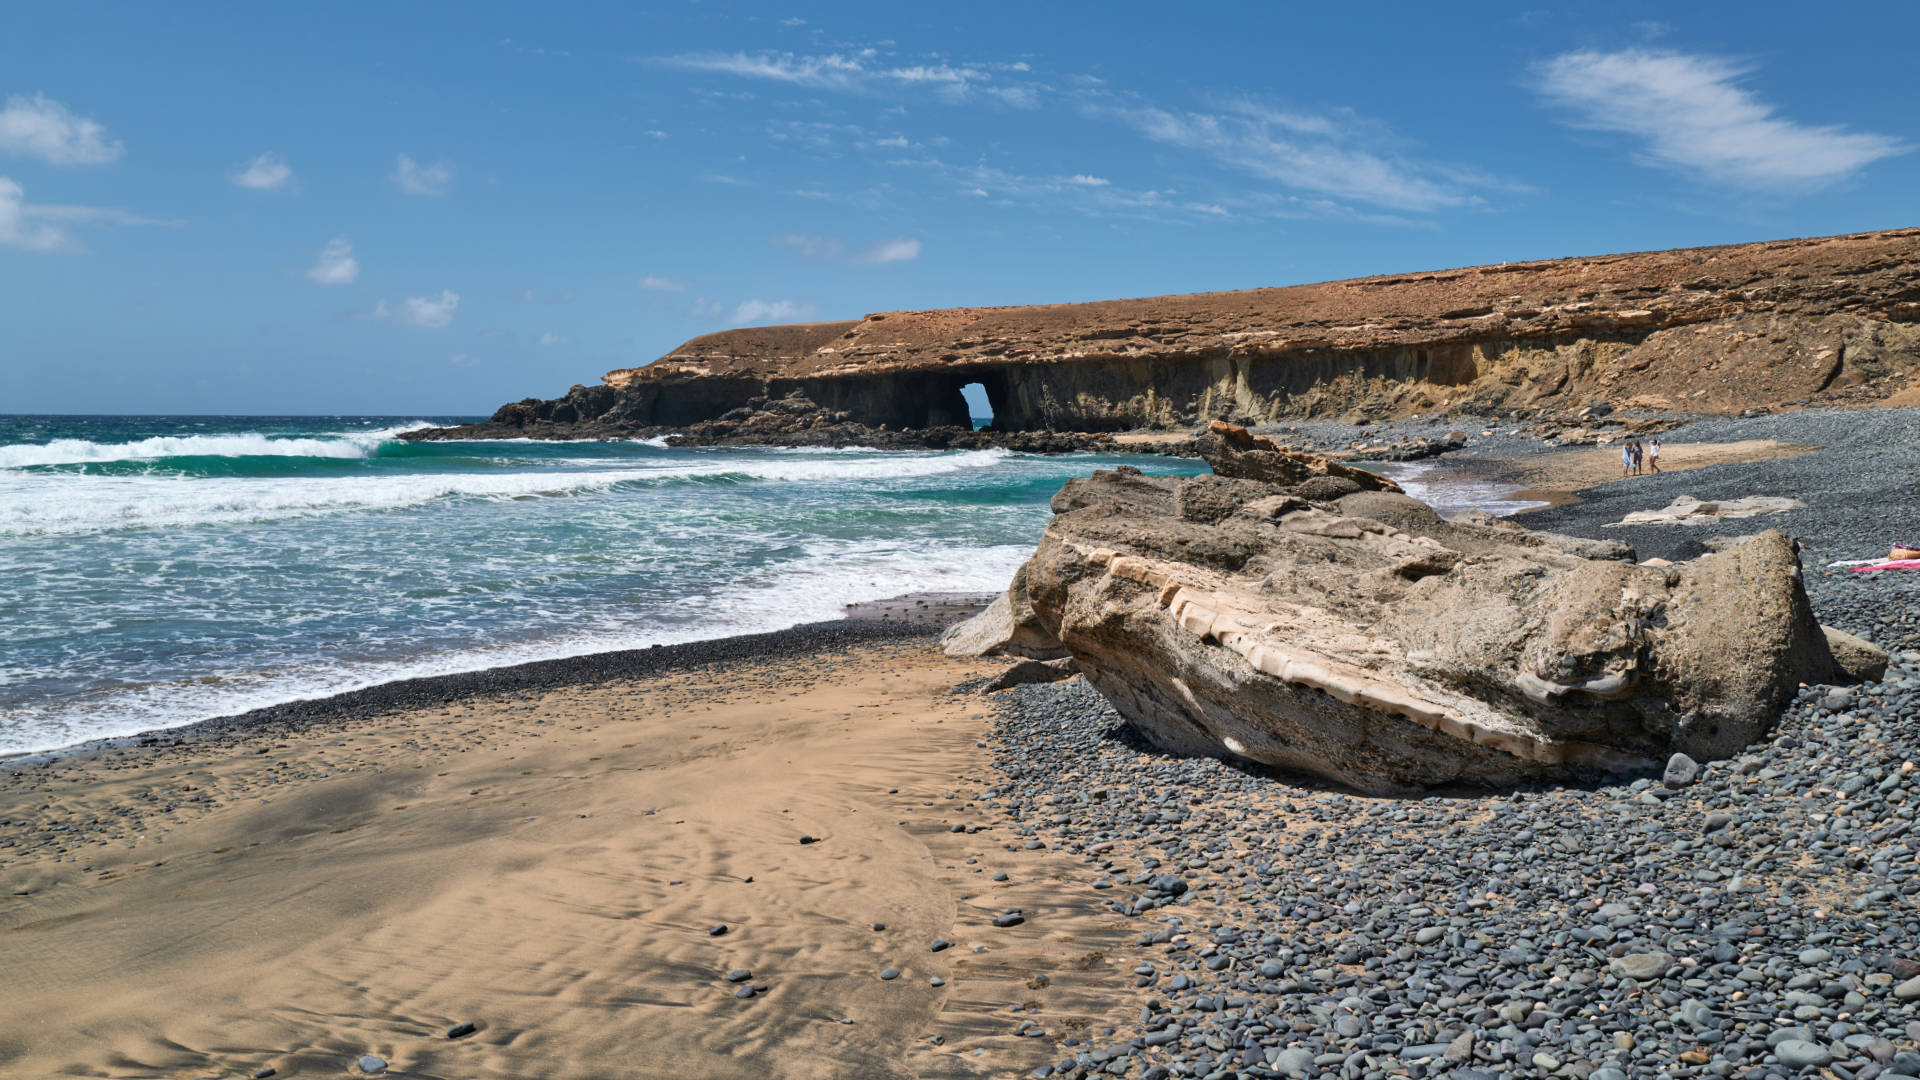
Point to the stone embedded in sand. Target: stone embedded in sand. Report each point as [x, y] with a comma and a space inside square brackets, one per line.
[462, 1029]
[1857, 658]
[1370, 642]
[371, 1065]
[1687, 510]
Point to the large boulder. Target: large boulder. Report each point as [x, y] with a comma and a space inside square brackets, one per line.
[1241, 454]
[1369, 642]
[1008, 627]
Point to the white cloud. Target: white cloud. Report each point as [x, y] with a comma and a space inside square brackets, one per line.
[833, 249]
[551, 338]
[835, 71]
[265, 173]
[43, 128]
[904, 249]
[43, 226]
[20, 230]
[1087, 181]
[336, 264]
[768, 311]
[813, 247]
[793, 21]
[654, 283]
[1691, 115]
[417, 179]
[655, 133]
[1334, 155]
[432, 312]
[461, 359]
[862, 70]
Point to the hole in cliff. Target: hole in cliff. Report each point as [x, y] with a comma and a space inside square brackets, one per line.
[979, 409]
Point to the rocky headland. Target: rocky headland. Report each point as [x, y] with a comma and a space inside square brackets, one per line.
[1698, 330]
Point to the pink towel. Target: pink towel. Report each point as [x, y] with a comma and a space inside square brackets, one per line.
[1897, 564]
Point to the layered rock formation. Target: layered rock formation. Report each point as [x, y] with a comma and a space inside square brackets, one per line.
[1704, 329]
[1363, 639]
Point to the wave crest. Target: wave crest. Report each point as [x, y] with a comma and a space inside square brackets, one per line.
[356, 444]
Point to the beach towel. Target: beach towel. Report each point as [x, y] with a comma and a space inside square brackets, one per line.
[1896, 564]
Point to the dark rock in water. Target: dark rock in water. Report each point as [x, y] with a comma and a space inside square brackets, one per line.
[1372, 643]
[263, 1074]
[739, 975]
[806, 839]
[717, 930]
[462, 1029]
[1681, 770]
[940, 945]
[889, 974]
[1009, 918]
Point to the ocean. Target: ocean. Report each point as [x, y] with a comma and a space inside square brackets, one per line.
[159, 570]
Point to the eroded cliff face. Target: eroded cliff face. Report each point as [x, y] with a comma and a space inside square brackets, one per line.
[1706, 329]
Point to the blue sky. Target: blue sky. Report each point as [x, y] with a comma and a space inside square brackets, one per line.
[436, 208]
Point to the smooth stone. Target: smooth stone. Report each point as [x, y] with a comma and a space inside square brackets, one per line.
[739, 975]
[1681, 770]
[890, 974]
[462, 1029]
[1640, 966]
[940, 945]
[1909, 990]
[1799, 1055]
[371, 1065]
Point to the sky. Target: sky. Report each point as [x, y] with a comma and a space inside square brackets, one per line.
[437, 208]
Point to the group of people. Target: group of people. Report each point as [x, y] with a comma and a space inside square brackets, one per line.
[1633, 456]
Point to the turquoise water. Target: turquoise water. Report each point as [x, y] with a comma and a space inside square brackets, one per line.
[159, 570]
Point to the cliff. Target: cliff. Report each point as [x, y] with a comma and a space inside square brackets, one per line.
[1717, 329]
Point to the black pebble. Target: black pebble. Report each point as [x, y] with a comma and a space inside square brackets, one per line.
[462, 1029]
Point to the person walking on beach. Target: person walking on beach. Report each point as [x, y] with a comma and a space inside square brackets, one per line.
[1653, 455]
[1626, 458]
[1639, 456]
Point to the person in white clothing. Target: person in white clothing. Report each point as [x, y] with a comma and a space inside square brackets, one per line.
[1653, 454]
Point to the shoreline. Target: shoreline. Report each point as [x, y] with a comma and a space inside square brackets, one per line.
[361, 878]
[879, 620]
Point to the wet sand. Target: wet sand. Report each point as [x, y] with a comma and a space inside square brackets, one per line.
[546, 855]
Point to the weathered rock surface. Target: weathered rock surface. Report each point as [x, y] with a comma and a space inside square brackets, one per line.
[1687, 510]
[1368, 641]
[1719, 329]
[1242, 455]
[1858, 659]
[1008, 627]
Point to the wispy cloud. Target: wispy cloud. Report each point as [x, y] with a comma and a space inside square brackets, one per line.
[551, 338]
[264, 173]
[655, 283]
[834, 249]
[46, 226]
[336, 264]
[866, 70]
[417, 179]
[42, 128]
[768, 311]
[432, 312]
[1691, 114]
[904, 249]
[1336, 154]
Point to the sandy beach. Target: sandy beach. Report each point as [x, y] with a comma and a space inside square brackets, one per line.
[553, 864]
